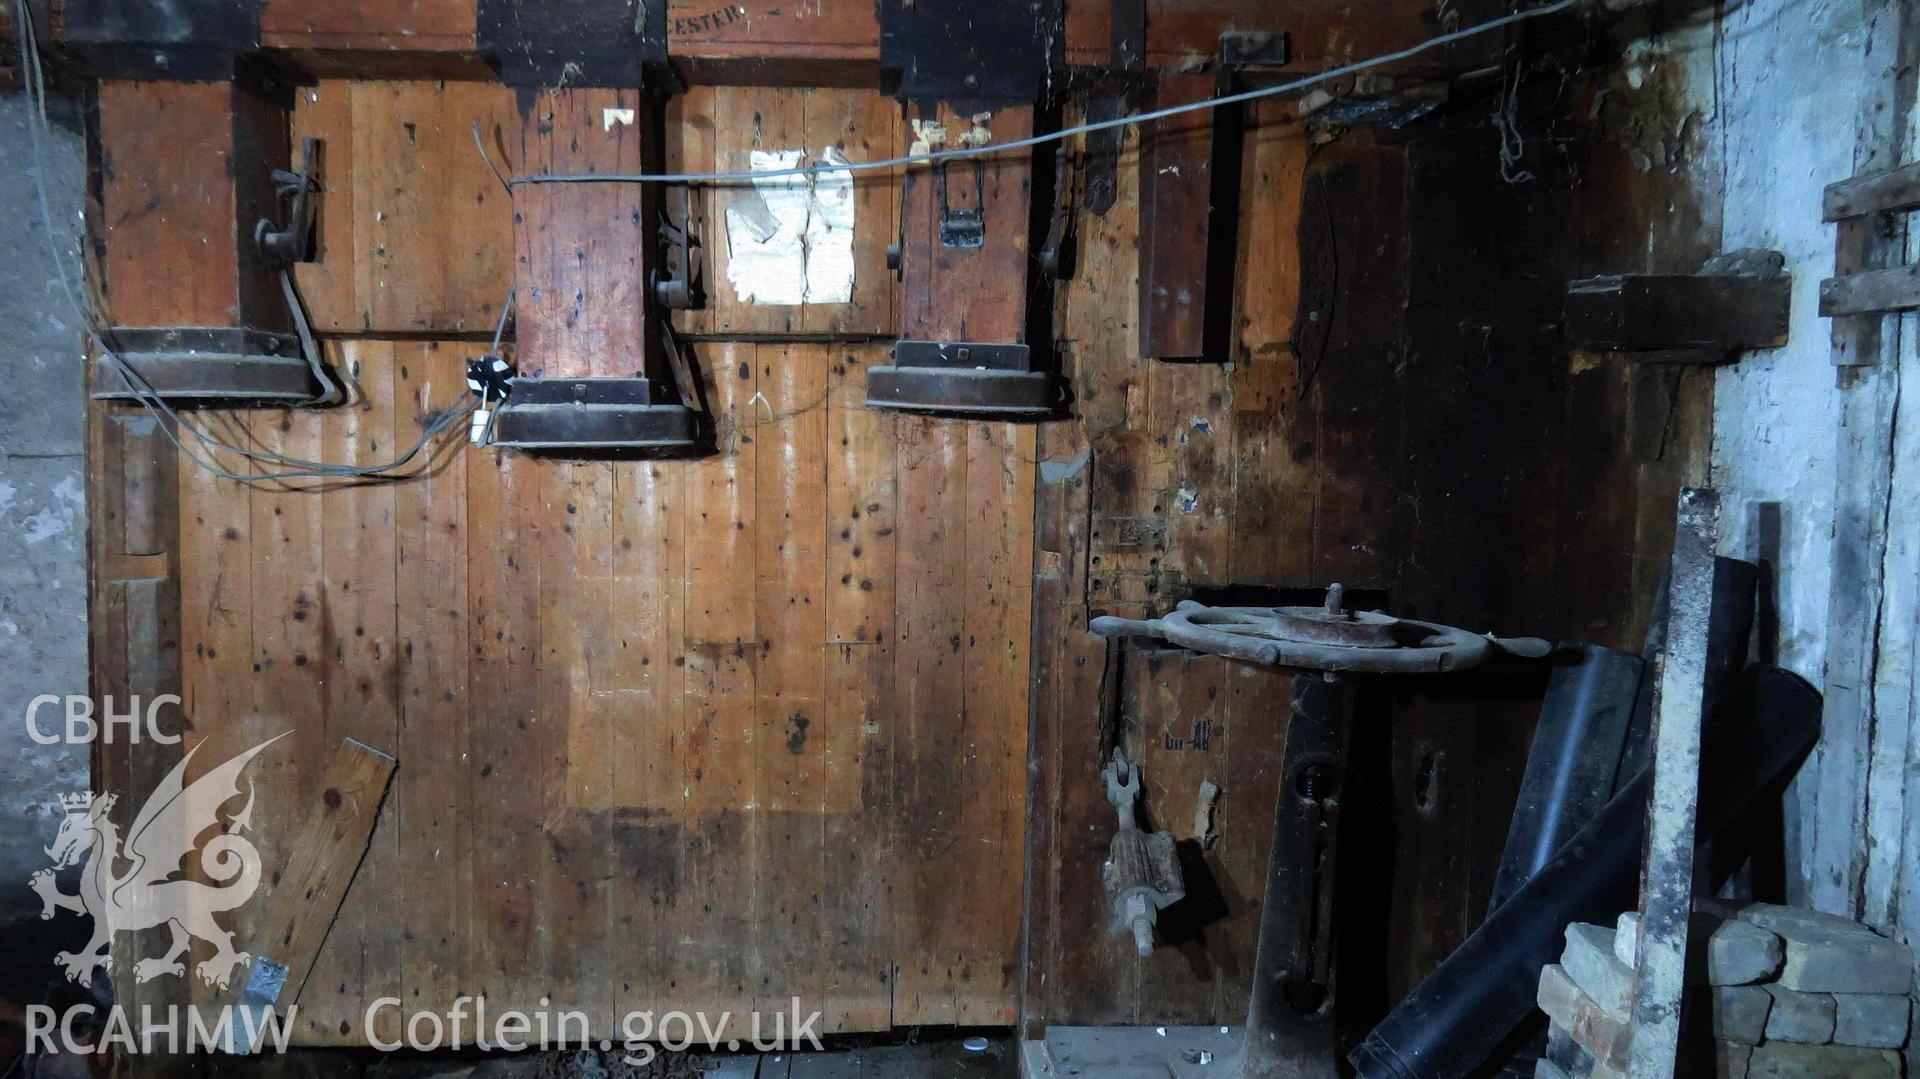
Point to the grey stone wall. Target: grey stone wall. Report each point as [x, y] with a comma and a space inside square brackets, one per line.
[43, 584]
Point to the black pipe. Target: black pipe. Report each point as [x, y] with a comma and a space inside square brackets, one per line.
[1577, 747]
[1764, 723]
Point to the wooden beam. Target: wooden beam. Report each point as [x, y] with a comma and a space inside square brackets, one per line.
[1882, 192]
[1871, 292]
[301, 908]
[1666, 888]
[1649, 312]
[582, 250]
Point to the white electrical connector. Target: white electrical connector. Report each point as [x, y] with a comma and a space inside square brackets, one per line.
[477, 427]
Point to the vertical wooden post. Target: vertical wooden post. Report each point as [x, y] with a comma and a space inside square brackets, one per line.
[581, 250]
[186, 173]
[1666, 888]
[952, 293]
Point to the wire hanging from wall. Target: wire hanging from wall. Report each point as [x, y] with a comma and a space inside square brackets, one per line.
[957, 153]
[39, 126]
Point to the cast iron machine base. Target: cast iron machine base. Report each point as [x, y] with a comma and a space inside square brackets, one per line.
[594, 415]
[1290, 1030]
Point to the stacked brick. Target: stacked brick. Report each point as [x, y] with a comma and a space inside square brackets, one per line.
[1791, 993]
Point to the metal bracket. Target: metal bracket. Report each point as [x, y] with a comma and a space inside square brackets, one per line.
[1058, 255]
[204, 365]
[198, 40]
[1255, 49]
[966, 378]
[678, 286]
[964, 227]
[597, 416]
[542, 43]
[963, 50]
[294, 243]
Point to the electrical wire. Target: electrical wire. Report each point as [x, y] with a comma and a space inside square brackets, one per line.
[957, 153]
[39, 126]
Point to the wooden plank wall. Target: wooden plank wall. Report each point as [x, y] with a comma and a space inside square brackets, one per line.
[799, 717]
[661, 742]
[1398, 415]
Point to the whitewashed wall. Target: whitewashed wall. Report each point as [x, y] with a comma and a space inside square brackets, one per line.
[1795, 87]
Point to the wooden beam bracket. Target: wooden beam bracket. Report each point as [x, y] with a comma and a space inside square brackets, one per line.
[963, 51]
[542, 43]
[186, 40]
[1738, 301]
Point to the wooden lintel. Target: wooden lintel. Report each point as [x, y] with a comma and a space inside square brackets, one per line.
[1871, 292]
[1895, 191]
[1661, 312]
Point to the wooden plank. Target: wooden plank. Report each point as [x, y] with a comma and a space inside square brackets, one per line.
[349, 25]
[337, 820]
[858, 721]
[359, 681]
[930, 748]
[186, 164]
[791, 745]
[1871, 292]
[506, 519]
[575, 746]
[967, 294]
[433, 835]
[414, 233]
[1273, 429]
[863, 126]
[1667, 873]
[647, 603]
[288, 577]
[998, 538]
[713, 925]
[1892, 191]
[767, 32]
[432, 239]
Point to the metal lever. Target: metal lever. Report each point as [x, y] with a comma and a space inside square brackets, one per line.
[294, 243]
[677, 288]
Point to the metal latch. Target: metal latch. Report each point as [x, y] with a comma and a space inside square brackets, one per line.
[294, 243]
[677, 286]
[963, 226]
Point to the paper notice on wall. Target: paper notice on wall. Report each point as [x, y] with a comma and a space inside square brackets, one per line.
[790, 238]
[830, 233]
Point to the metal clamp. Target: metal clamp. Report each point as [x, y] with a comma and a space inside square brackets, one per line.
[964, 227]
[293, 243]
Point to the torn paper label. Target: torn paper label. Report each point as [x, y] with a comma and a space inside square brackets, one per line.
[790, 238]
[766, 230]
[830, 233]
